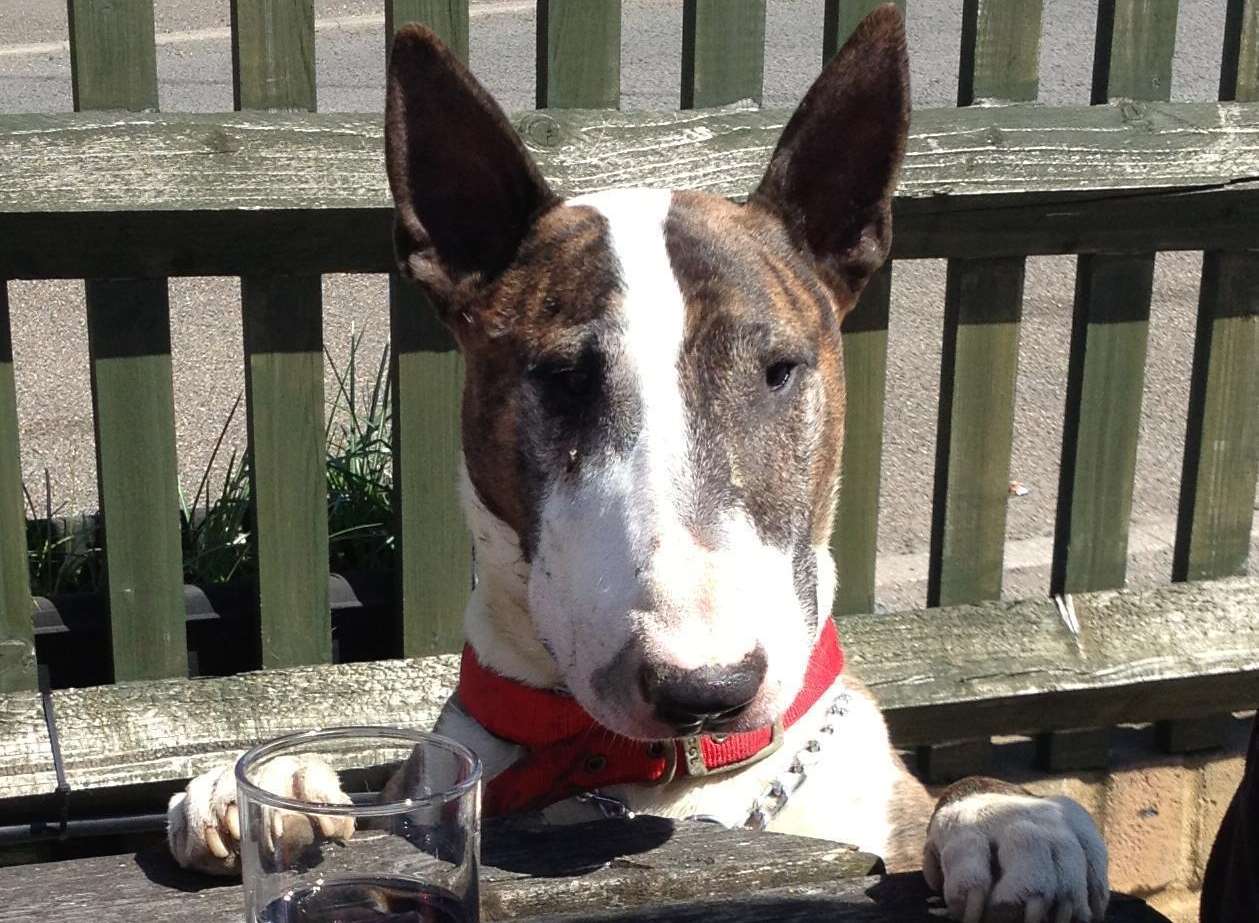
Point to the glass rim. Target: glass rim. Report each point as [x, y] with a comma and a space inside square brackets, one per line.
[376, 808]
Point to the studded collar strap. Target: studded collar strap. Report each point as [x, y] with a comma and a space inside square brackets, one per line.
[567, 752]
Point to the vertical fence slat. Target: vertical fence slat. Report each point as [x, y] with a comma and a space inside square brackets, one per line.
[984, 303]
[448, 18]
[1239, 68]
[1222, 442]
[979, 367]
[274, 68]
[113, 66]
[579, 54]
[840, 17]
[854, 540]
[1105, 376]
[433, 545]
[113, 55]
[129, 341]
[983, 309]
[723, 52]
[1132, 54]
[1106, 370]
[273, 54]
[17, 640]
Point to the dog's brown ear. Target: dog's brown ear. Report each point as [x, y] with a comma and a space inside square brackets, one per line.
[833, 173]
[466, 190]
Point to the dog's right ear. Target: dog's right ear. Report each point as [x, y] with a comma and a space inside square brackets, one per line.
[466, 190]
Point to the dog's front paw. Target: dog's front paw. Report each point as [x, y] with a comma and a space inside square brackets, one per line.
[203, 821]
[1000, 855]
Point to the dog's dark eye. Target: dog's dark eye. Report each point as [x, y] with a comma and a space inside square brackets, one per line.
[565, 382]
[778, 374]
[573, 382]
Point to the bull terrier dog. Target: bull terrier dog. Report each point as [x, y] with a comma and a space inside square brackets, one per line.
[653, 418]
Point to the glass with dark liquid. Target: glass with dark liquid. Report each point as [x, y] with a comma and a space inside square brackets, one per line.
[350, 825]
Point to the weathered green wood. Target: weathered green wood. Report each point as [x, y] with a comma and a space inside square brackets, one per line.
[1105, 380]
[1222, 441]
[113, 56]
[1183, 650]
[1206, 733]
[434, 549]
[1132, 55]
[840, 17]
[1239, 66]
[854, 543]
[999, 60]
[983, 307]
[578, 872]
[1000, 51]
[284, 383]
[17, 640]
[1106, 370]
[448, 18]
[274, 68]
[1073, 750]
[128, 325]
[579, 54]
[81, 195]
[1133, 58]
[942, 763]
[645, 870]
[723, 51]
[273, 54]
[113, 62]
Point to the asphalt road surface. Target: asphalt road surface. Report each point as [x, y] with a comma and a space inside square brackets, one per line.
[194, 71]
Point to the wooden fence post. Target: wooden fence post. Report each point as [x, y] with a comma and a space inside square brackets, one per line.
[17, 639]
[113, 63]
[273, 67]
[433, 546]
[1221, 461]
[983, 309]
[1222, 444]
[579, 54]
[723, 52]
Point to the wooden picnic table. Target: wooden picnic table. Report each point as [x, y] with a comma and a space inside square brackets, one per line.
[646, 869]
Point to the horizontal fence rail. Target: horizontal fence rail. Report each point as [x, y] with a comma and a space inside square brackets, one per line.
[992, 668]
[85, 194]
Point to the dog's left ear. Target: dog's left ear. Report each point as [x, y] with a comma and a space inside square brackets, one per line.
[831, 178]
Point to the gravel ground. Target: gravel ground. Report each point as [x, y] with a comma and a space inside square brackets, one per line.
[194, 69]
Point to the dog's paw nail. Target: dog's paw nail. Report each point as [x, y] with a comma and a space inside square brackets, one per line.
[214, 842]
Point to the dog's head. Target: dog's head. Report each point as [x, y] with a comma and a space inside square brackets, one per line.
[654, 395]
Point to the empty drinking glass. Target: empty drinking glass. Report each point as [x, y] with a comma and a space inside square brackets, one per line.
[360, 824]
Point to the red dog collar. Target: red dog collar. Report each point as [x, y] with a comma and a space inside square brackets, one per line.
[568, 752]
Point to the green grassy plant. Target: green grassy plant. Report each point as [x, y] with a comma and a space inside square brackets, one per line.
[66, 556]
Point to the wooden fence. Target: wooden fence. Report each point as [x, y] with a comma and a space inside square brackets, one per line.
[278, 194]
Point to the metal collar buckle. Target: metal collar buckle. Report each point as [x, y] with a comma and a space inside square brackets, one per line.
[691, 751]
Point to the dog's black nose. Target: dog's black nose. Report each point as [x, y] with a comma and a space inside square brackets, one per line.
[707, 699]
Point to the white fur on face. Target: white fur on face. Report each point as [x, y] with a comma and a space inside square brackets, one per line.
[617, 561]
